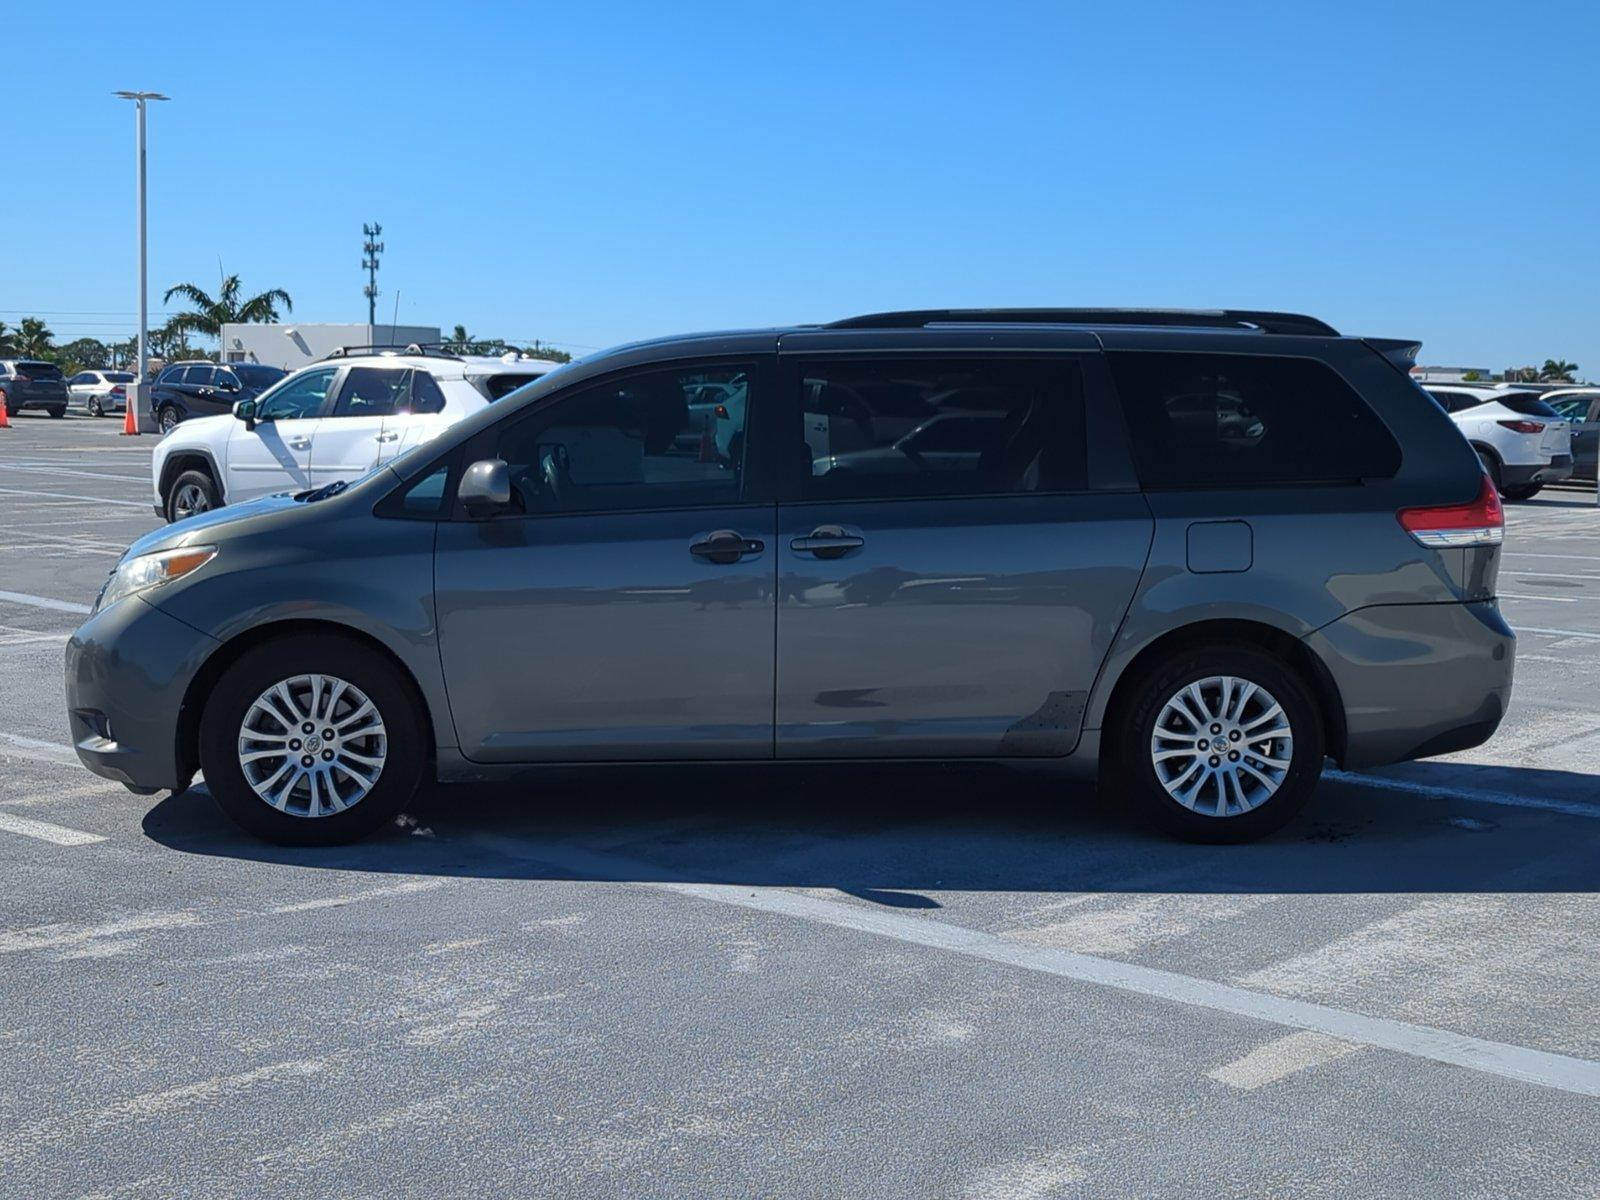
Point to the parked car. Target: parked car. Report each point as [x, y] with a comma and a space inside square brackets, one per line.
[29, 383]
[1579, 404]
[1523, 442]
[202, 389]
[1201, 611]
[100, 392]
[334, 420]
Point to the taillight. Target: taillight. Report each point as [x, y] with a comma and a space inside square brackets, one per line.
[1481, 523]
[1522, 426]
[720, 412]
[119, 390]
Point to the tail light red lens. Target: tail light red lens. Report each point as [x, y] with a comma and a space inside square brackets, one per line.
[721, 412]
[1523, 426]
[1481, 523]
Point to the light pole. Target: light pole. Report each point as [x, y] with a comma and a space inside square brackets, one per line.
[139, 399]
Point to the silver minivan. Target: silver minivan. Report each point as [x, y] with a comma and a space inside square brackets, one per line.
[1196, 553]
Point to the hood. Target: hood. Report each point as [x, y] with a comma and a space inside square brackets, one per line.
[196, 430]
[200, 527]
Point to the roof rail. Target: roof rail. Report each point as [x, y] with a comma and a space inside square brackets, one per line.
[421, 349]
[1192, 318]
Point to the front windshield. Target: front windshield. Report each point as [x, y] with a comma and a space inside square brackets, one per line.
[254, 375]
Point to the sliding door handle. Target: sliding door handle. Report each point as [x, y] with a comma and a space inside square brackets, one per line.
[827, 541]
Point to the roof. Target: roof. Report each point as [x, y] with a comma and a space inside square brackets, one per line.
[1250, 320]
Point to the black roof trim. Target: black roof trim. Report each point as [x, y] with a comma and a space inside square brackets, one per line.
[415, 349]
[1191, 318]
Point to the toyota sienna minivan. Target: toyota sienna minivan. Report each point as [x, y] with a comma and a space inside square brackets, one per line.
[1197, 553]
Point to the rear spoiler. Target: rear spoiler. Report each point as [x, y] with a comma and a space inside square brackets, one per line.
[1402, 352]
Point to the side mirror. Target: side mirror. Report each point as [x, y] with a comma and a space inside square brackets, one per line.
[485, 487]
[245, 410]
[227, 387]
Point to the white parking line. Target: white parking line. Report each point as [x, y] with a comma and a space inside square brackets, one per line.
[1591, 635]
[1555, 599]
[1532, 554]
[1570, 808]
[66, 606]
[45, 831]
[73, 496]
[18, 746]
[1280, 1058]
[1560, 1071]
[55, 470]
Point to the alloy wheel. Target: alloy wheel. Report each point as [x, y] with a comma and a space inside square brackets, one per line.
[312, 745]
[188, 500]
[1222, 746]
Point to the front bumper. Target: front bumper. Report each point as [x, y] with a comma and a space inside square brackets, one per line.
[1418, 679]
[128, 668]
[1557, 469]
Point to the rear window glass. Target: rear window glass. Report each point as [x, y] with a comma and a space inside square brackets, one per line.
[1241, 420]
[119, 376]
[1528, 405]
[39, 370]
[499, 386]
[254, 376]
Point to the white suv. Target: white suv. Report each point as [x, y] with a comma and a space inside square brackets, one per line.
[1523, 442]
[336, 419]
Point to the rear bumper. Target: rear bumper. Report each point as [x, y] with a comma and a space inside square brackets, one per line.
[1418, 679]
[128, 667]
[16, 403]
[1557, 469]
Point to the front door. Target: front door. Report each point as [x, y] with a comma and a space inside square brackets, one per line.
[275, 456]
[623, 609]
[350, 440]
[949, 583]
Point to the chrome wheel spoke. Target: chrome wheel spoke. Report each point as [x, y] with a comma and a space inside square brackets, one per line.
[312, 745]
[1221, 746]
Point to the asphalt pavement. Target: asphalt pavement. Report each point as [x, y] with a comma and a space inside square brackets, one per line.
[781, 982]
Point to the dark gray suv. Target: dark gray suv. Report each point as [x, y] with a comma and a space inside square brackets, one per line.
[1196, 552]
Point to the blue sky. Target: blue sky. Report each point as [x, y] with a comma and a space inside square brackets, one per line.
[593, 173]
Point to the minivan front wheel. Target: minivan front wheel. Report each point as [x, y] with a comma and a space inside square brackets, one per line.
[312, 739]
[1223, 744]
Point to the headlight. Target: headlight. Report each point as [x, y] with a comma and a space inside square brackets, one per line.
[151, 571]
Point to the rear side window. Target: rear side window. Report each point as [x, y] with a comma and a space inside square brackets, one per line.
[370, 392]
[905, 427]
[425, 394]
[1527, 405]
[1241, 420]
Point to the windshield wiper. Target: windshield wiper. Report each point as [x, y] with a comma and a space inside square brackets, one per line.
[323, 492]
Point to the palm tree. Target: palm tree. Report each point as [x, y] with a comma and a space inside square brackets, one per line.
[460, 341]
[1556, 370]
[5, 339]
[208, 315]
[33, 338]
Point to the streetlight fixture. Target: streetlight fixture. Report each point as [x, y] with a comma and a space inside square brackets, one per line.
[139, 399]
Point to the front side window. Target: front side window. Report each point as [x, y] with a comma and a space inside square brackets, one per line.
[878, 429]
[300, 396]
[197, 376]
[371, 392]
[632, 442]
[1241, 420]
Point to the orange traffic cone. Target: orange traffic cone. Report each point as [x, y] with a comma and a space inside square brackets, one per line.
[130, 418]
[5, 421]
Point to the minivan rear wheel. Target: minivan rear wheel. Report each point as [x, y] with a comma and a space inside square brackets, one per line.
[1221, 744]
[312, 740]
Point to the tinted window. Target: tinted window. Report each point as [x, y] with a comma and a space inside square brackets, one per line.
[629, 443]
[502, 385]
[425, 394]
[1527, 404]
[252, 375]
[225, 378]
[919, 427]
[39, 370]
[197, 376]
[82, 377]
[301, 396]
[1236, 420]
[171, 375]
[119, 376]
[370, 392]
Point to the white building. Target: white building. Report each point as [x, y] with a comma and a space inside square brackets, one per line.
[294, 345]
[1450, 374]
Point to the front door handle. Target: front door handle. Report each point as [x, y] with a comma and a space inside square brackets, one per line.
[299, 444]
[726, 546]
[390, 436]
[827, 541]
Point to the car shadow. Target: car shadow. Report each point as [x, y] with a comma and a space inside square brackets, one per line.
[893, 835]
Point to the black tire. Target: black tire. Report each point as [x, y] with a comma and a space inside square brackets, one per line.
[168, 418]
[257, 670]
[1135, 772]
[96, 409]
[1526, 492]
[190, 481]
[58, 413]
